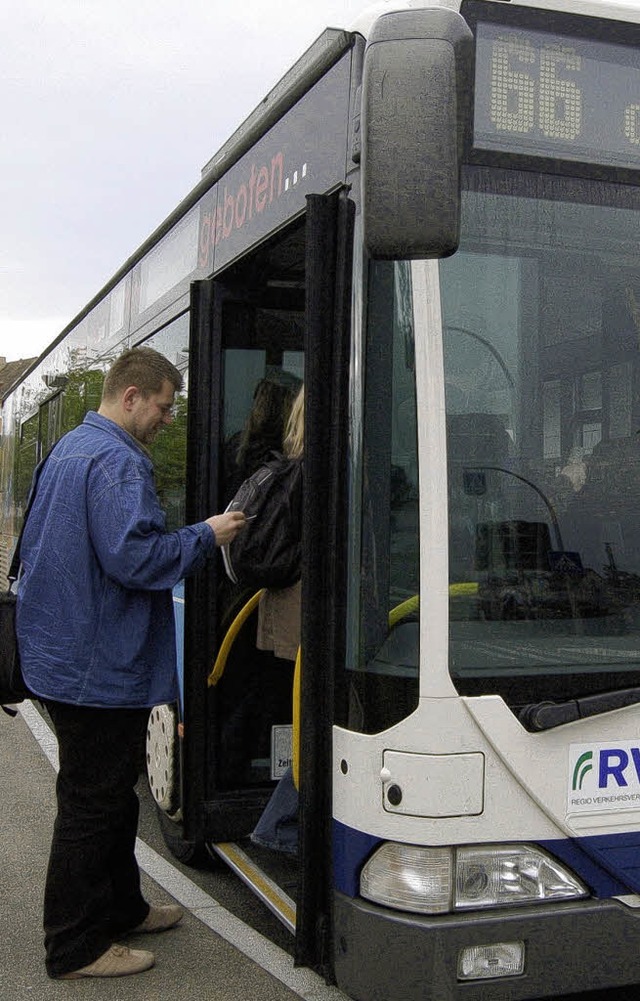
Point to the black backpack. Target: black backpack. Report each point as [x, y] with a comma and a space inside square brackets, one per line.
[267, 552]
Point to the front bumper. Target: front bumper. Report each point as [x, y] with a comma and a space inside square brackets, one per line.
[386, 955]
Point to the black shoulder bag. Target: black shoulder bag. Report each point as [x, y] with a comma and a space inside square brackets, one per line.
[12, 684]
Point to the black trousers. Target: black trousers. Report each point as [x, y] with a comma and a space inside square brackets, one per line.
[92, 890]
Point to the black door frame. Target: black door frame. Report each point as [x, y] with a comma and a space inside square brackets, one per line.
[329, 254]
[329, 227]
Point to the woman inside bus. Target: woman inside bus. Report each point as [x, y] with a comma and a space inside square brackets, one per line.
[279, 632]
[247, 449]
[251, 692]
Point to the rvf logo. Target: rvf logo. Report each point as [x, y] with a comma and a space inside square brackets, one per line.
[604, 777]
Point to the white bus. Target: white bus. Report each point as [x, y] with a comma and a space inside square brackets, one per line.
[433, 221]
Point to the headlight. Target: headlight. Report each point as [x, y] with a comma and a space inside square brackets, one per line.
[510, 874]
[409, 877]
[438, 880]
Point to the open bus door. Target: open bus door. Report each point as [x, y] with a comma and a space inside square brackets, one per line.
[283, 314]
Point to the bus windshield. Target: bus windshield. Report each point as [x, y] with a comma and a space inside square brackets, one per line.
[541, 333]
[541, 328]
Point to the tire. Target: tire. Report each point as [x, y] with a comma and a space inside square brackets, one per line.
[163, 775]
[188, 852]
[163, 759]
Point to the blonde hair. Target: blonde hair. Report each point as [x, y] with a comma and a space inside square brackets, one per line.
[294, 433]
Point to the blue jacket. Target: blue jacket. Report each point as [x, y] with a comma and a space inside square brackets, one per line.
[95, 613]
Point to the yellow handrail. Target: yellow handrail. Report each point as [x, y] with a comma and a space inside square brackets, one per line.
[223, 653]
[464, 587]
[295, 729]
[403, 609]
[412, 604]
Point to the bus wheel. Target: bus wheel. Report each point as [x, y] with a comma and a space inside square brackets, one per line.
[163, 759]
[187, 852]
[163, 774]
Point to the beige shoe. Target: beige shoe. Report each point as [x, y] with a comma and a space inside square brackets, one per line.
[117, 961]
[159, 918]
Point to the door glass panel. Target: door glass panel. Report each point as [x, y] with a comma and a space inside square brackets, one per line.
[255, 692]
[383, 680]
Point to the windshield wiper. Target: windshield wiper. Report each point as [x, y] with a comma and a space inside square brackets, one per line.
[546, 715]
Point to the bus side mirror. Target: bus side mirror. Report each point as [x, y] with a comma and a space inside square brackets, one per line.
[417, 91]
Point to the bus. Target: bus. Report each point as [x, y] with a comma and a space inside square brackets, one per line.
[432, 223]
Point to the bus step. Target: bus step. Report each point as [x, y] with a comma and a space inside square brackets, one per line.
[265, 888]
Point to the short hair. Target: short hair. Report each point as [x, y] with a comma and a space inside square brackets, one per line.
[143, 368]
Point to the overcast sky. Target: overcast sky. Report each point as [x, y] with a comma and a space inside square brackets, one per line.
[109, 112]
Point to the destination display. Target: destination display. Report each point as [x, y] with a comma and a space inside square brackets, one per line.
[551, 95]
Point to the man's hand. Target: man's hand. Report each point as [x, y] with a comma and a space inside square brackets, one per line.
[226, 526]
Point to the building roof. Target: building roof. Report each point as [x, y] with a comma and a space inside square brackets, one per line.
[10, 371]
